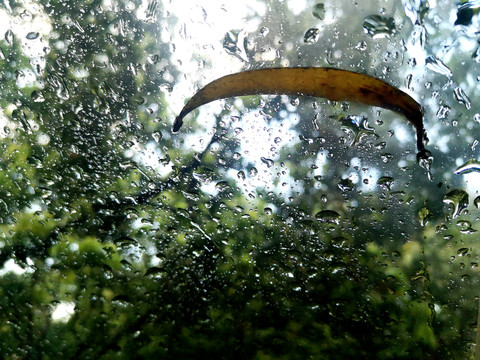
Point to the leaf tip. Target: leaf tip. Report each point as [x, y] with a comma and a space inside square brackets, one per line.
[177, 124]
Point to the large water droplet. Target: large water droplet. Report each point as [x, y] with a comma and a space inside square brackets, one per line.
[438, 66]
[319, 11]
[222, 185]
[471, 165]
[416, 10]
[346, 185]
[151, 10]
[9, 37]
[328, 216]
[459, 199]
[385, 182]
[476, 202]
[32, 35]
[378, 26]
[357, 127]
[425, 215]
[235, 43]
[461, 97]
[268, 162]
[311, 36]
[443, 111]
[157, 136]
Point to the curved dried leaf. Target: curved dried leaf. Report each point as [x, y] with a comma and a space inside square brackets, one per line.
[329, 83]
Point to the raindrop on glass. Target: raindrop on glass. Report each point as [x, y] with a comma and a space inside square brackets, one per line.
[461, 97]
[241, 175]
[222, 185]
[385, 182]
[32, 35]
[425, 160]
[319, 11]
[311, 36]
[157, 136]
[377, 26]
[438, 66]
[268, 162]
[328, 216]
[425, 215]
[459, 199]
[9, 37]
[471, 165]
[476, 202]
[443, 111]
[235, 43]
[346, 185]
[264, 31]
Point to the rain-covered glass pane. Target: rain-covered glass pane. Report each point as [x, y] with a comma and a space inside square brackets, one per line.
[309, 219]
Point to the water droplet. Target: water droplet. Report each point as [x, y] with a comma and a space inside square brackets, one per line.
[157, 136]
[328, 216]
[471, 165]
[253, 172]
[222, 185]
[346, 185]
[461, 97]
[357, 127]
[408, 81]
[203, 175]
[361, 46]
[32, 35]
[476, 55]
[462, 251]
[443, 111]
[9, 37]
[459, 200]
[268, 211]
[438, 66]
[311, 36]
[425, 216]
[268, 162]
[264, 31]
[385, 182]
[465, 227]
[237, 131]
[150, 11]
[416, 10]
[319, 11]
[425, 160]
[378, 26]
[470, 4]
[37, 96]
[241, 175]
[295, 101]
[476, 202]
[235, 43]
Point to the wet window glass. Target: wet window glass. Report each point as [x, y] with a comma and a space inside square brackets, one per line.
[293, 213]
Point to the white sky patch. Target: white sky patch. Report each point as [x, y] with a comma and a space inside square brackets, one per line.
[63, 311]
[198, 38]
[11, 266]
[297, 6]
[402, 134]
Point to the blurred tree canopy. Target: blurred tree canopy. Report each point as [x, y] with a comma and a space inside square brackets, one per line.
[121, 240]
